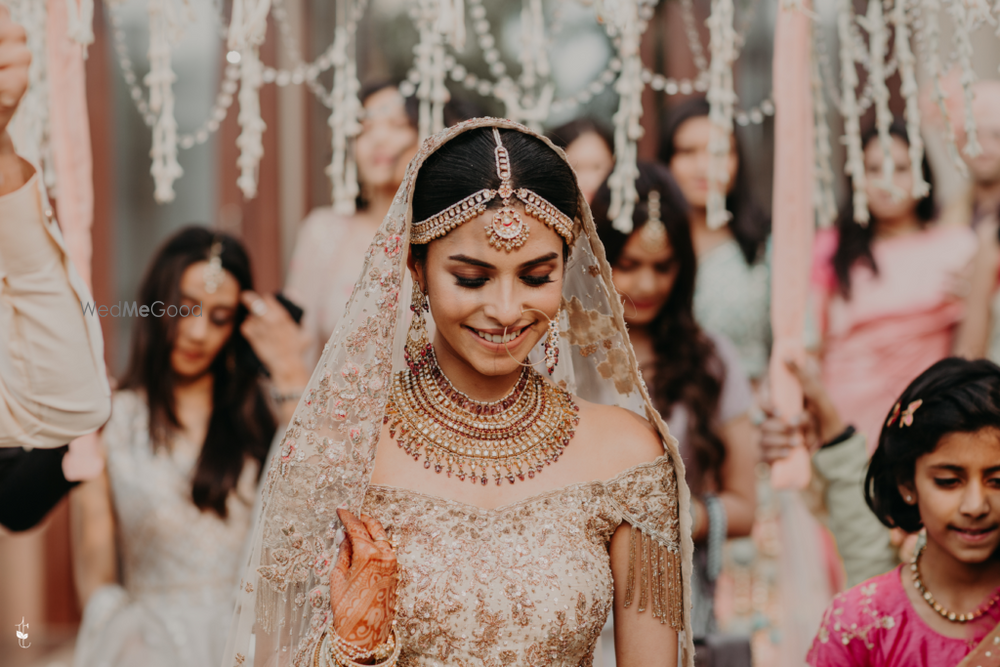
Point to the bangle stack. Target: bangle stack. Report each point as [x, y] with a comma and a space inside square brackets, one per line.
[335, 651]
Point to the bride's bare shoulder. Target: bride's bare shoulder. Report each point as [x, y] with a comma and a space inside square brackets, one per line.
[619, 438]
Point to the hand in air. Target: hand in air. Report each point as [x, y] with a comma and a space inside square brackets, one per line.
[363, 583]
[14, 61]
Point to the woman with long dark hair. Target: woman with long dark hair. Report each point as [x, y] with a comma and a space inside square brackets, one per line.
[695, 378]
[732, 291]
[157, 537]
[884, 291]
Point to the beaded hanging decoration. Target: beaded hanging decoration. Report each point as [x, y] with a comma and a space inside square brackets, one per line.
[516, 436]
[506, 230]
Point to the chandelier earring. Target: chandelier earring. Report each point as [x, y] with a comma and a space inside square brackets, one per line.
[551, 342]
[418, 347]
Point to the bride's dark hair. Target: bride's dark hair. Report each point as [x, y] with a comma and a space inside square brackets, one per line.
[466, 165]
[241, 424]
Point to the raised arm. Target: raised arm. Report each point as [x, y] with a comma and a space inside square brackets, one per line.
[52, 379]
[92, 528]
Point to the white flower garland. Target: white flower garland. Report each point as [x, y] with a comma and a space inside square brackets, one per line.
[722, 99]
[930, 38]
[626, 21]
[160, 79]
[343, 122]
[825, 198]
[80, 18]
[878, 38]
[855, 164]
[246, 33]
[29, 128]
[910, 91]
[963, 25]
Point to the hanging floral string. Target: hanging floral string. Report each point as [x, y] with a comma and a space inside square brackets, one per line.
[29, 128]
[246, 33]
[625, 22]
[343, 122]
[878, 38]
[855, 165]
[160, 80]
[964, 22]
[721, 98]
[930, 38]
[825, 198]
[910, 92]
[81, 19]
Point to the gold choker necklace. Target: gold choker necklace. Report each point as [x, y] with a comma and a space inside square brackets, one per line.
[516, 436]
[935, 605]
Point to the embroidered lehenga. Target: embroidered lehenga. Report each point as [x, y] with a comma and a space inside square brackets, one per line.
[527, 583]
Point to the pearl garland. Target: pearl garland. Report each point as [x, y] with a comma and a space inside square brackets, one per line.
[160, 79]
[825, 198]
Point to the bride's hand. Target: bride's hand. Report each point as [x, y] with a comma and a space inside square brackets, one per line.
[363, 583]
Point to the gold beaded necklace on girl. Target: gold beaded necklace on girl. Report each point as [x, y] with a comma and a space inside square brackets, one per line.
[935, 605]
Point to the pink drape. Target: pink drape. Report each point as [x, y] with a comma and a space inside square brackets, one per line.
[69, 132]
[792, 222]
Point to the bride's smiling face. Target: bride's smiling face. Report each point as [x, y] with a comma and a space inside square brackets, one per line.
[476, 291]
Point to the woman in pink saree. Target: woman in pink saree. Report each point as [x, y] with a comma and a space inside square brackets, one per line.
[935, 468]
[884, 294]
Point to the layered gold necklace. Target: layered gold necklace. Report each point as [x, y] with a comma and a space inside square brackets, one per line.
[516, 436]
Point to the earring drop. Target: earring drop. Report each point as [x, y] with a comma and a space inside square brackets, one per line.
[418, 347]
[909, 498]
[552, 345]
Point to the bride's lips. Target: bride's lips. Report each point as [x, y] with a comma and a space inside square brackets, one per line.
[974, 535]
[515, 338]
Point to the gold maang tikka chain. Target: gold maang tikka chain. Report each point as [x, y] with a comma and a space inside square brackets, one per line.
[515, 437]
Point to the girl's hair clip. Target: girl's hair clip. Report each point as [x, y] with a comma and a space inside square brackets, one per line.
[906, 419]
[906, 416]
[893, 416]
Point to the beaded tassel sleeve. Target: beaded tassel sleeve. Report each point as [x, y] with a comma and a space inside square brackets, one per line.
[326, 457]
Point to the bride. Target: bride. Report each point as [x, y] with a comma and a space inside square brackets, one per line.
[503, 488]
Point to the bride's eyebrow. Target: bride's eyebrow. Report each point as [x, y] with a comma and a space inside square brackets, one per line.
[465, 259]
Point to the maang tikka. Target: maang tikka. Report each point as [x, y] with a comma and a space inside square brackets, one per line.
[418, 350]
[213, 274]
[653, 235]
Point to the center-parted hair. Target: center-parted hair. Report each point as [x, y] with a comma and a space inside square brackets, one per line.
[959, 396]
[466, 164]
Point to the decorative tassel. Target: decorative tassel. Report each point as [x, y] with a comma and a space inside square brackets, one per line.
[343, 121]
[910, 92]
[160, 79]
[826, 200]
[721, 98]
[963, 21]
[81, 19]
[874, 23]
[855, 165]
[246, 33]
[930, 35]
[656, 572]
[627, 120]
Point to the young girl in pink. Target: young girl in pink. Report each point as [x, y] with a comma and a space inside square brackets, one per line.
[937, 468]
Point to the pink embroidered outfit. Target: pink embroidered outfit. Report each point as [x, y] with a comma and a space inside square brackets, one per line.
[874, 624]
[896, 323]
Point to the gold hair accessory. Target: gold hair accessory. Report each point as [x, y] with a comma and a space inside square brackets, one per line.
[507, 230]
[214, 274]
[653, 235]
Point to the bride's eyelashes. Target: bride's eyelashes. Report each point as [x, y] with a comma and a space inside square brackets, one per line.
[474, 283]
